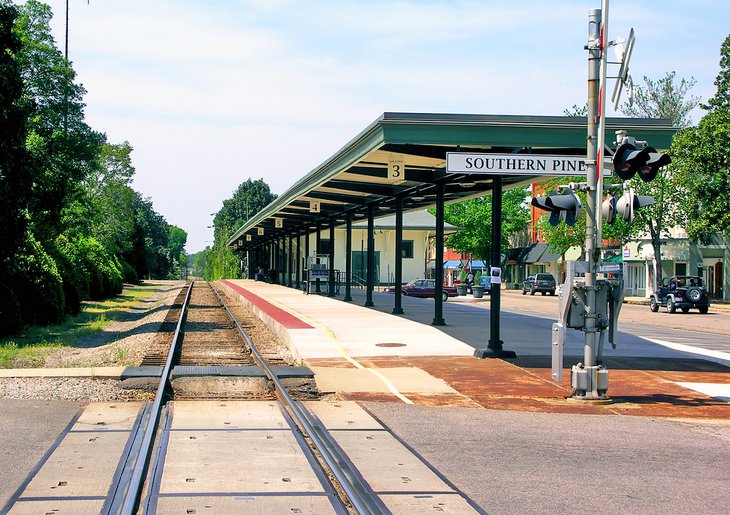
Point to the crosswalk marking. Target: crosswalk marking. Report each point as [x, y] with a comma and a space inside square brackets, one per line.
[717, 391]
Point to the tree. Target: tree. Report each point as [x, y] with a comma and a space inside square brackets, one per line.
[721, 100]
[701, 165]
[16, 169]
[474, 216]
[248, 199]
[17, 172]
[578, 111]
[562, 237]
[59, 140]
[663, 98]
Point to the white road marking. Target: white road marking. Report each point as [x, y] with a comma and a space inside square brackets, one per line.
[723, 358]
[718, 391]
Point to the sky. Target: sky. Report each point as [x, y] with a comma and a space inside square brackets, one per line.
[212, 93]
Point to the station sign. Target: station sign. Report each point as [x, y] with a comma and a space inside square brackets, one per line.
[516, 164]
[278, 223]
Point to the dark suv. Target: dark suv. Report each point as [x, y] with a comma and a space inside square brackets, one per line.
[542, 282]
[681, 291]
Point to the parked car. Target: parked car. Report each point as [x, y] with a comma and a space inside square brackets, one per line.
[542, 282]
[424, 288]
[486, 281]
[681, 291]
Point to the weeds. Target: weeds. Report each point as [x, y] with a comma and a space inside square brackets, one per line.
[31, 348]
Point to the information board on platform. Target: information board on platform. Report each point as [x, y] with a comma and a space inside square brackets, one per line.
[516, 164]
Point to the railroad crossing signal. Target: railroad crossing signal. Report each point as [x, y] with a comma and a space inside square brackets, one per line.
[629, 203]
[608, 209]
[565, 206]
[647, 161]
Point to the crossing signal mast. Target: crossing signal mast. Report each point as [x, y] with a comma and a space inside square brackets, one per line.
[592, 294]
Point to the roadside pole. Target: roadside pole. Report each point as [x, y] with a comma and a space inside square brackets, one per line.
[589, 377]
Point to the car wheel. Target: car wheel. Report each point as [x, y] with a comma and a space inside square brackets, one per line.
[704, 309]
[685, 309]
[532, 291]
[671, 307]
[552, 292]
[444, 296]
[653, 306]
[524, 292]
[694, 294]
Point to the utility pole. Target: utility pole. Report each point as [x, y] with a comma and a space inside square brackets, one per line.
[589, 376]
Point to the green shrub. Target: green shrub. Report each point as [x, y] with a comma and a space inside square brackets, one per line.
[104, 269]
[89, 270]
[76, 277]
[11, 320]
[129, 274]
[37, 284]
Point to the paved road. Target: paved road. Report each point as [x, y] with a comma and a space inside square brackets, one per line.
[518, 462]
[526, 326]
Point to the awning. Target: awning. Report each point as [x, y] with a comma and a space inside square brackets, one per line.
[456, 263]
[618, 258]
[535, 253]
[404, 155]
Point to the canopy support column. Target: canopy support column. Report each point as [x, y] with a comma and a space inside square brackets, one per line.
[348, 258]
[398, 308]
[438, 317]
[331, 278]
[371, 257]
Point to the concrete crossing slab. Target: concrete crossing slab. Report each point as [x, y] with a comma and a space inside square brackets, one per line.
[73, 475]
[403, 481]
[216, 415]
[302, 505]
[236, 461]
[56, 507]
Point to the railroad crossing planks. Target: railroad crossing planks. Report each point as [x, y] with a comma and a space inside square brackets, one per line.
[77, 475]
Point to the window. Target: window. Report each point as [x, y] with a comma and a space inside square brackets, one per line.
[323, 247]
[406, 249]
[680, 268]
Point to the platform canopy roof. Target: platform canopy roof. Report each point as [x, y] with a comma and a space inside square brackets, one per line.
[356, 177]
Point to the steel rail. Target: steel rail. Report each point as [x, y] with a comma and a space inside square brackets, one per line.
[136, 482]
[359, 495]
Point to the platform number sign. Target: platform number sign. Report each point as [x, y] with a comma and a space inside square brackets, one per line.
[278, 223]
[260, 231]
[314, 206]
[396, 171]
[248, 237]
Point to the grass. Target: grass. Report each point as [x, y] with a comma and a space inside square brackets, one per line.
[31, 348]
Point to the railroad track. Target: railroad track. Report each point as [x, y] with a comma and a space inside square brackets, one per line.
[208, 334]
[244, 448]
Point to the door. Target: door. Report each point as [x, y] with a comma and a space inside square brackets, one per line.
[360, 266]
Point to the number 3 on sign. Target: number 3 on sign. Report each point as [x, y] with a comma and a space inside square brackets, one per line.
[397, 171]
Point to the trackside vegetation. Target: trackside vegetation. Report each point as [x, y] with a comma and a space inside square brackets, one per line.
[73, 229]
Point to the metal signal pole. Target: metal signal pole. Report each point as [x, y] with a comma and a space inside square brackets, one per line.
[586, 376]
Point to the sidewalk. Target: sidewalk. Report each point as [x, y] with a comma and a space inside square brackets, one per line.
[359, 353]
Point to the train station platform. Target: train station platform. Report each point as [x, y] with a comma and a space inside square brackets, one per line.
[360, 353]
